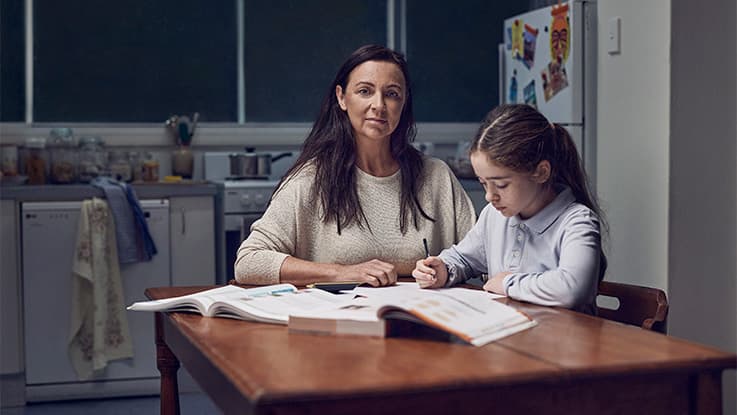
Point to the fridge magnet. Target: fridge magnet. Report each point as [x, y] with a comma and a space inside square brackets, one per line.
[517, 39]
[530, 38]
[529, 92]
[560, 32]
[513, 88]
[554, 78]
[508, 39]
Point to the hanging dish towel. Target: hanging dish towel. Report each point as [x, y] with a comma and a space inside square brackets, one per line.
[135, 243]
[99, 331]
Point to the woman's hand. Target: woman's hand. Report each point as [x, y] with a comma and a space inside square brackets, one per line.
[430, 272]
[375, 273]
[495, 284]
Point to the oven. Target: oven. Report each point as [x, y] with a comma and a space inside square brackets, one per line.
[239, 203]
[244, 202]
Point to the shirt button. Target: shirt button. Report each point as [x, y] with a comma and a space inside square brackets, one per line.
[515, 254]
[521, 225]
[519, 237]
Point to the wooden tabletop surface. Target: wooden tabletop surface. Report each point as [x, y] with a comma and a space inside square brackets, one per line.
[265, 363]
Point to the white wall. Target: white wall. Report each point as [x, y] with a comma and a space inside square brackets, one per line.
[632, 139]
[667, 157]
[703, 188]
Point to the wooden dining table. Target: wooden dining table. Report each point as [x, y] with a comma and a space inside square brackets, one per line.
[569, 363]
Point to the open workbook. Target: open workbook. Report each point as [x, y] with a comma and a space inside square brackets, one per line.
[468, 315]
[268, 304]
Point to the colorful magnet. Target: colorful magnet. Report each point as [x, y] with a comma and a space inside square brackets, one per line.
[530, 38]
[517, 39]
[529, 91]
[554, 78]
[513, 88]
[560, 33]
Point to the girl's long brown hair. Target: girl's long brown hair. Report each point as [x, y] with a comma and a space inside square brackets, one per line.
[519, 137]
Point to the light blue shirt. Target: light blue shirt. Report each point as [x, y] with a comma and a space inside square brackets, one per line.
[553, 256]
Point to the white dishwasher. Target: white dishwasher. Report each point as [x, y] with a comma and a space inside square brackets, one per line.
[49, 234]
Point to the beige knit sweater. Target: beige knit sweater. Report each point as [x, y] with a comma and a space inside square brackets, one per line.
[292, 225]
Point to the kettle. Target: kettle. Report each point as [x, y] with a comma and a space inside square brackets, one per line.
[252, 164]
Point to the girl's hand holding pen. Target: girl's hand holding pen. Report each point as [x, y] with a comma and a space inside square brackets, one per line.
[430, 272]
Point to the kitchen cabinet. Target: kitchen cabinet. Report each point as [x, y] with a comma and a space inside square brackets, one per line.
[185, 229]
[11, 348]
[192, 239]
[48, 243]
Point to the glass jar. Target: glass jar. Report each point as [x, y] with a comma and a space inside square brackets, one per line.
[10, 159]
[182, 162]
[120, 168]
[150, 168]
[91, 158]
[134, 158]
[63, 156]
[35, 162]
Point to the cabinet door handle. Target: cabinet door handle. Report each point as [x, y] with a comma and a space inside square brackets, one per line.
[184, 221]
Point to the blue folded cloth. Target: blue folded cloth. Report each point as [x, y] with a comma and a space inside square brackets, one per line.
[131, 230]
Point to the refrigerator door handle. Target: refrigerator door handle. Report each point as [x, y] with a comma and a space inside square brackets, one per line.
[502, 74]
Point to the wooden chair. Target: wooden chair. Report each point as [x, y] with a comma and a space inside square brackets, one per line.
[640, 306]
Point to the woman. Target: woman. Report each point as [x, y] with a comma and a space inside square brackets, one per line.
[360, 198]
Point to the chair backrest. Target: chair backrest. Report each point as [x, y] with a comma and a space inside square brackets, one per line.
[640, 306]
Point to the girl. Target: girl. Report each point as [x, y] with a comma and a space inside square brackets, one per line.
[539, 238]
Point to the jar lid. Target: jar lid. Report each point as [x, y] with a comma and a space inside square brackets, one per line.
[36, 142]
[62, 136]
[86, 140]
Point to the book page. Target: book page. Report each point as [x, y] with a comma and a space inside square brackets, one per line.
[200, 302]
[276, 307]
[473, 315]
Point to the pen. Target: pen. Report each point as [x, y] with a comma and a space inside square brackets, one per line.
[427, 251]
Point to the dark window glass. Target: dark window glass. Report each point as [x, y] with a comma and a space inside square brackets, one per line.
[12, 61]
[134, 61]
[452, 56]
[293, 49]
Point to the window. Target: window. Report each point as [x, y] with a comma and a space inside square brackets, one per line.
[134, 61]
[293, 49]
[453, 59]
[12, 66]
[141, 61]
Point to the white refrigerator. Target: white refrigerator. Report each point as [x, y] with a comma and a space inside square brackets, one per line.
[548, 60]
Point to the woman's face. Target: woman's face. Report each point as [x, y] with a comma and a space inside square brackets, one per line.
[373, 98]
[510, 192]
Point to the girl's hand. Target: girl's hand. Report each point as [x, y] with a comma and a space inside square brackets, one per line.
[495, 283]
[375, 273]
[430, 272]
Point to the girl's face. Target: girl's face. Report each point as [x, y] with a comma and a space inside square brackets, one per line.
[510, 192]
[373, 98]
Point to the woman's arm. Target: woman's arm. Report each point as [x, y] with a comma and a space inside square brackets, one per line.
[300, 272]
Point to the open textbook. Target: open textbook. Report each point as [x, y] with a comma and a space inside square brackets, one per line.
[472, 316]
[268, 304]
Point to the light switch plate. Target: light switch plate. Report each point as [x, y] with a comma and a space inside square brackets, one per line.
[613, 35]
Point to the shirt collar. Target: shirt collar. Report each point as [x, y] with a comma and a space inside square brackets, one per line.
[549, 214]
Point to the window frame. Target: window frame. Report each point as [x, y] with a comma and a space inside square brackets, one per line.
[216, 134]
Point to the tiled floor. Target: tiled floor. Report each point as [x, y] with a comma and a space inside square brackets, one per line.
[190, 403]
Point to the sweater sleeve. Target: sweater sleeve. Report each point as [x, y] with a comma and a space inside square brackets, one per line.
[465, 214]
[467, 259]
[573, 283]
[272, 238]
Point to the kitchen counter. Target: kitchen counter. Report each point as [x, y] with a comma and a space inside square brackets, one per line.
[62, 192]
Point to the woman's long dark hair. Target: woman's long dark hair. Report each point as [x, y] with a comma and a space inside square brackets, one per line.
[519, 137]
[331, 148]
